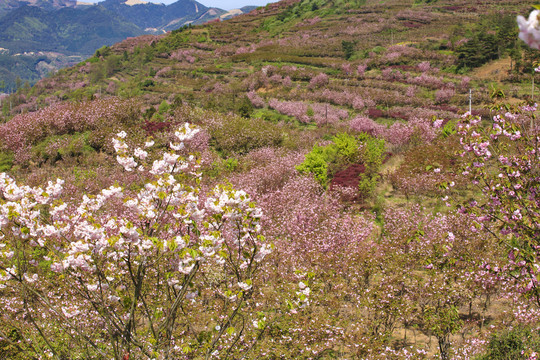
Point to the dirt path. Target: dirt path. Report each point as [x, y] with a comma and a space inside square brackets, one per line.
[494, 70]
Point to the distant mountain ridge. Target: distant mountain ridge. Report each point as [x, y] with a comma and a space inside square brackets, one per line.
[67, 30]
[156, 16]
[8, 5]
[148, 16]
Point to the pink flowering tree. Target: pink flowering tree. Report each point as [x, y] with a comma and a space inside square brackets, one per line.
[255, 99]
[318, 81]
[502, 163]
[156, 270]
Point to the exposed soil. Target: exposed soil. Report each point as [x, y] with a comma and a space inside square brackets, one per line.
[494, 70]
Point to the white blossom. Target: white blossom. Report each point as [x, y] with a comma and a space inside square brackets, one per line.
[529, 30]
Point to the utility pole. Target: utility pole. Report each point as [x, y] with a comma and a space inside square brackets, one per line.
[326, 113]
[470, 101]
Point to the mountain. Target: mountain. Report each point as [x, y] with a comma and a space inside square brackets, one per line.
[9, 5]
[159, 18]
[248, 9]
[152, 15]
[67, 30]
[59, 28]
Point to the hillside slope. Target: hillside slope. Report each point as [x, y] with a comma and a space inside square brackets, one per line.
[340, 120]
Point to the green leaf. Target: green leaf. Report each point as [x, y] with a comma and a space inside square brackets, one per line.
[290, 305]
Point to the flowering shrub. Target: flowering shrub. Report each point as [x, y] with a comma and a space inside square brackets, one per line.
[268, 169]
[186, 55]
[319, 113]
[450, 257]
[444, 95]
[398, 133]
[323, 246]
[125, 273]
[287, 81]
[319, 81]
[132, 43]
[343, 98]
[162, 72]
[255, 99]
[361, 70]
[24, 130]
[424, 66]
[428, 81]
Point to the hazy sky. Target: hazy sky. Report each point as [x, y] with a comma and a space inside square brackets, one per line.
[228, 4]
[222, 4]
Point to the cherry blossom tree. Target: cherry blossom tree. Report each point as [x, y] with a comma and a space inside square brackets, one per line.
[157, 270]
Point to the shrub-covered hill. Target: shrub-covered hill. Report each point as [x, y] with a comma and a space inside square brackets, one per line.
[385, 50]
[339, 118]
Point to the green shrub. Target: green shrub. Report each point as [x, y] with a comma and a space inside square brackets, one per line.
[324, 161]
[514, 344]
[146, 83]
[56, 148]
[348, 48]
[164, 107]
[449, 129]
[6, 161]
[244, 107]
[103, 51]
[241, 135]
[372, 152]
[378, 49]
[231, 164]
[272, 116]
[316, 163]
[347, 147]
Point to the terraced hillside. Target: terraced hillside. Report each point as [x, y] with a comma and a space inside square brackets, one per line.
[343, 122]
